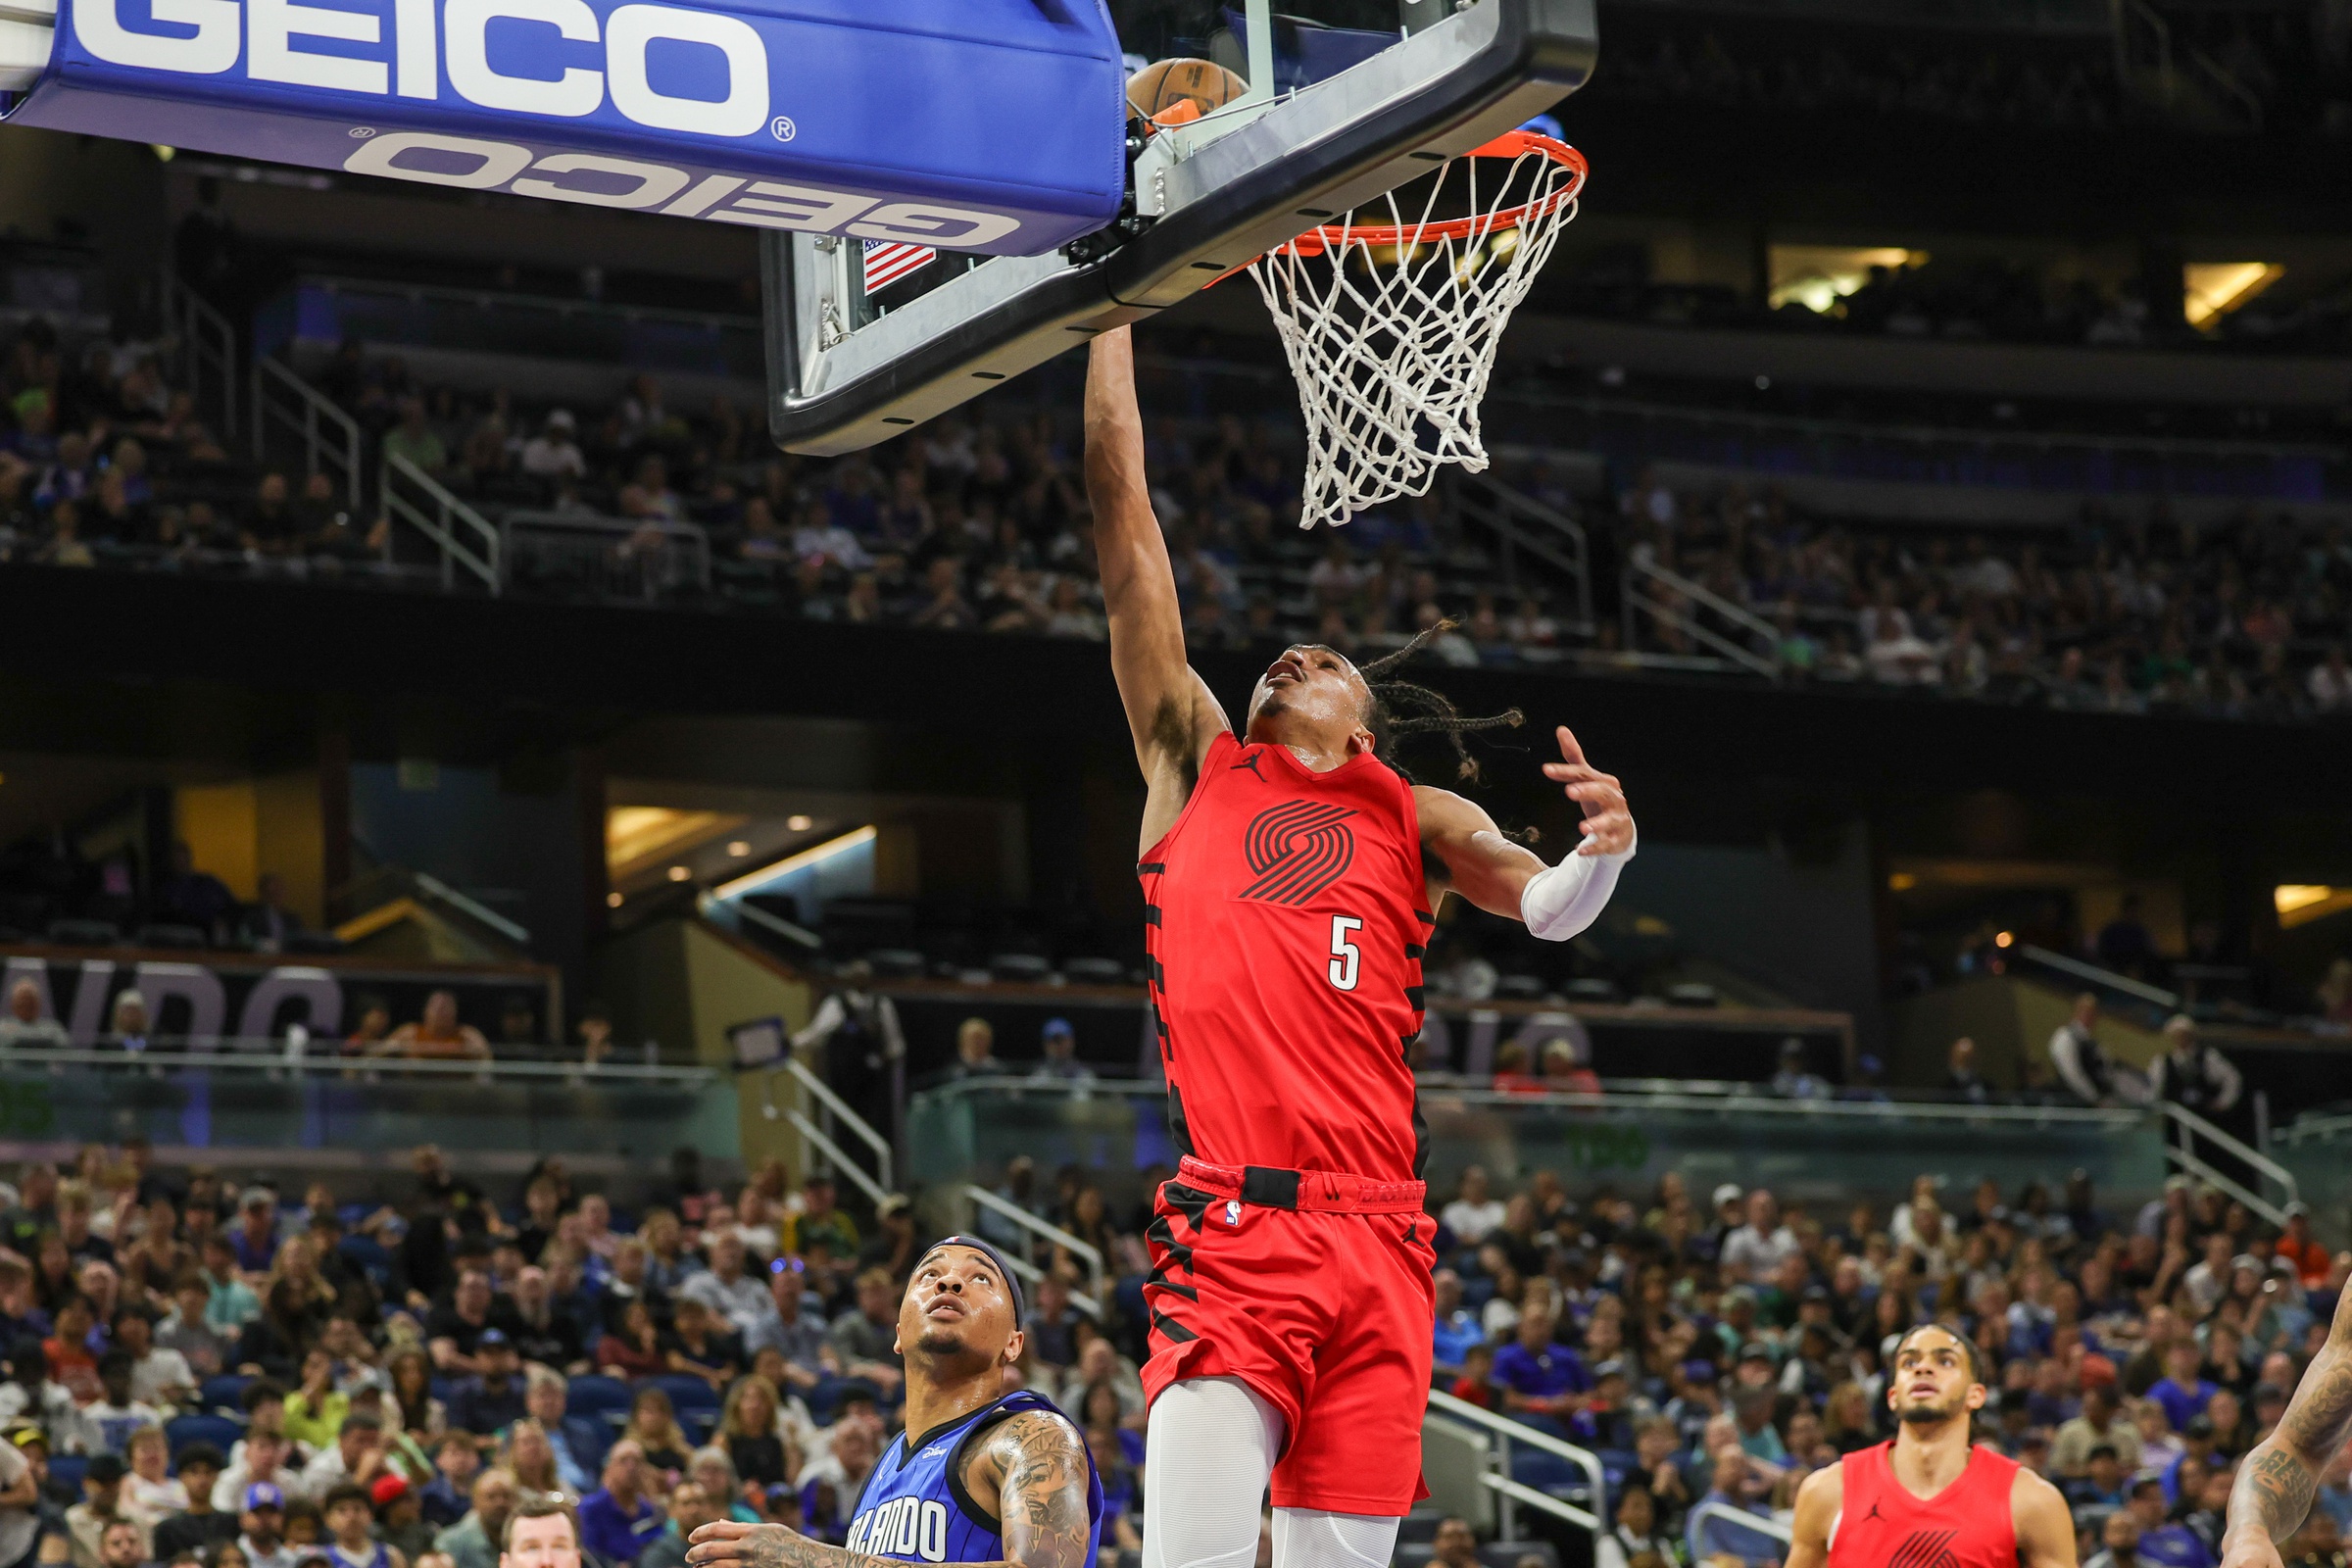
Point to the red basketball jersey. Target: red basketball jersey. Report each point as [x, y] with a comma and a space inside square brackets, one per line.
[1284, 918]
[1966, 1525]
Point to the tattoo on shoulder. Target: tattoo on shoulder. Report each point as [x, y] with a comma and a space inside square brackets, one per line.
[1046, 1468]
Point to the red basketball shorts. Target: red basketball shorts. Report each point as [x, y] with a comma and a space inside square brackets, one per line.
[1313, 1288]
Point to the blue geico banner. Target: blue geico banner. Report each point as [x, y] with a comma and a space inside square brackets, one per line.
[991, 125]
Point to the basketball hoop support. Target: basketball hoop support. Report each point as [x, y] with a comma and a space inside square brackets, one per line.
[1442, 91]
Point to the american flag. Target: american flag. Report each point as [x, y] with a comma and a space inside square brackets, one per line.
[887, 261]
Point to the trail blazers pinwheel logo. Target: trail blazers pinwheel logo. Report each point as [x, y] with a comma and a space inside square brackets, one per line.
[1296, 850]
[1925, 1548]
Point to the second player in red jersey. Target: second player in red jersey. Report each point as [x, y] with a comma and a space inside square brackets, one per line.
[1291, 874]
[1930, 1498]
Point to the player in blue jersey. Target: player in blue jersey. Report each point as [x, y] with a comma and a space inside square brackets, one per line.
[982, 1476]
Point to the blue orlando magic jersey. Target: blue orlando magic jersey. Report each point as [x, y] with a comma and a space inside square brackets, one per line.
[914, 1507]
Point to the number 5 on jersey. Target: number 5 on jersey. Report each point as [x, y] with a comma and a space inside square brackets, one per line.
[1344, 953]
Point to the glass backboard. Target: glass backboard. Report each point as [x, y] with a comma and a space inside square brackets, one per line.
[1346, 100]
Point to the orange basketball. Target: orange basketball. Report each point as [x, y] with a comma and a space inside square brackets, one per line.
[1165, 83]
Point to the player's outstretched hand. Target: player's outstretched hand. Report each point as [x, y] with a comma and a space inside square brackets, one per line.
[731, 1543]
[1608, 825]
[2252, 1552]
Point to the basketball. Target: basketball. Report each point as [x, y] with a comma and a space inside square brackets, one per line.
[1165, 83]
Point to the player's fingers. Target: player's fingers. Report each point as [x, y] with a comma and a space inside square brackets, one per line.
[1568, 747]
[721, 1529]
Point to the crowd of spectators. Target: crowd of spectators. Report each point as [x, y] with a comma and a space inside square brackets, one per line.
[1720, 1349]
[981, 523]
[1936, 75]
[2276, 70]
[2119, 614]
[206, 1374]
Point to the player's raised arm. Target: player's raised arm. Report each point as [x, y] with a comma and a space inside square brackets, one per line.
[1500, 877]
[2278, 1480]
[1169, 709]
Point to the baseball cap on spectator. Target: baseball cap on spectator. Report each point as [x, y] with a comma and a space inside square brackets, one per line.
[1757, 1350]
[2269, 1394]
[1816, 1293]
[106, 1469]
[2199, 1425]
[26, 1435]
[387, 1491]
[2246, 1261]
[1700, 1370]
[264, 1495]
[491, 1337]
[203, 1457]
[1057, 1029]
[2098, 1372]
[1728, 1193]
[1611, 1368]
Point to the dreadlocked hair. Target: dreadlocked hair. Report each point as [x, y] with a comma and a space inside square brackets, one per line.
[1401, 709]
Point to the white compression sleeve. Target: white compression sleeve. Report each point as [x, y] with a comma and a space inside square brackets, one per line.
[1561, 901]
[1209, 1451]
[1312, 1537]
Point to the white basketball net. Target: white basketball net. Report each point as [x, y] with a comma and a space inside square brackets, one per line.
[1391, 326]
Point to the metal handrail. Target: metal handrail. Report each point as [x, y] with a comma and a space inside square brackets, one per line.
[316, 411]
[2185, 1158]
[2309, 1127]
[715, 320]
[471, 909]
[1036, 1276]
[819, 1089]
[1761, 1524]
[833, 1151]
[2211, 1176]
[775, 923]
[1571, 556]
[616, 531]
[1043, 1227]
[440, 526]
[209, 339]
[2091, 972]
[1510, 1431]
[1542, 1501]
[1633, 599]
[258, 1053]
[1622, 1093]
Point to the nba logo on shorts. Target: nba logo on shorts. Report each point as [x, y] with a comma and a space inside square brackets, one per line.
[1228, 1213]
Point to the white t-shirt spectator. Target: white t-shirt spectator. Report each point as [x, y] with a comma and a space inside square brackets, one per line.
[1470, 1221]
[162, 1376]
[1751, 1255]
[116, 1422]
[18, 1526]
[553, 454]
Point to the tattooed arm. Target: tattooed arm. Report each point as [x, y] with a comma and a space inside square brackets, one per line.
[1034, 1465]
[2275, 1483]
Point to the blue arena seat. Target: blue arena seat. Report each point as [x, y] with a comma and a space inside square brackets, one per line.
[686, 1392]
[217, 1429]
[225, 1391]
[1547, 1472]
[65, 1471]
[597, 1396]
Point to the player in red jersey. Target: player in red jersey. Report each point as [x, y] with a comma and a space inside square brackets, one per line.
[1930, 1499]
[1290, 879]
